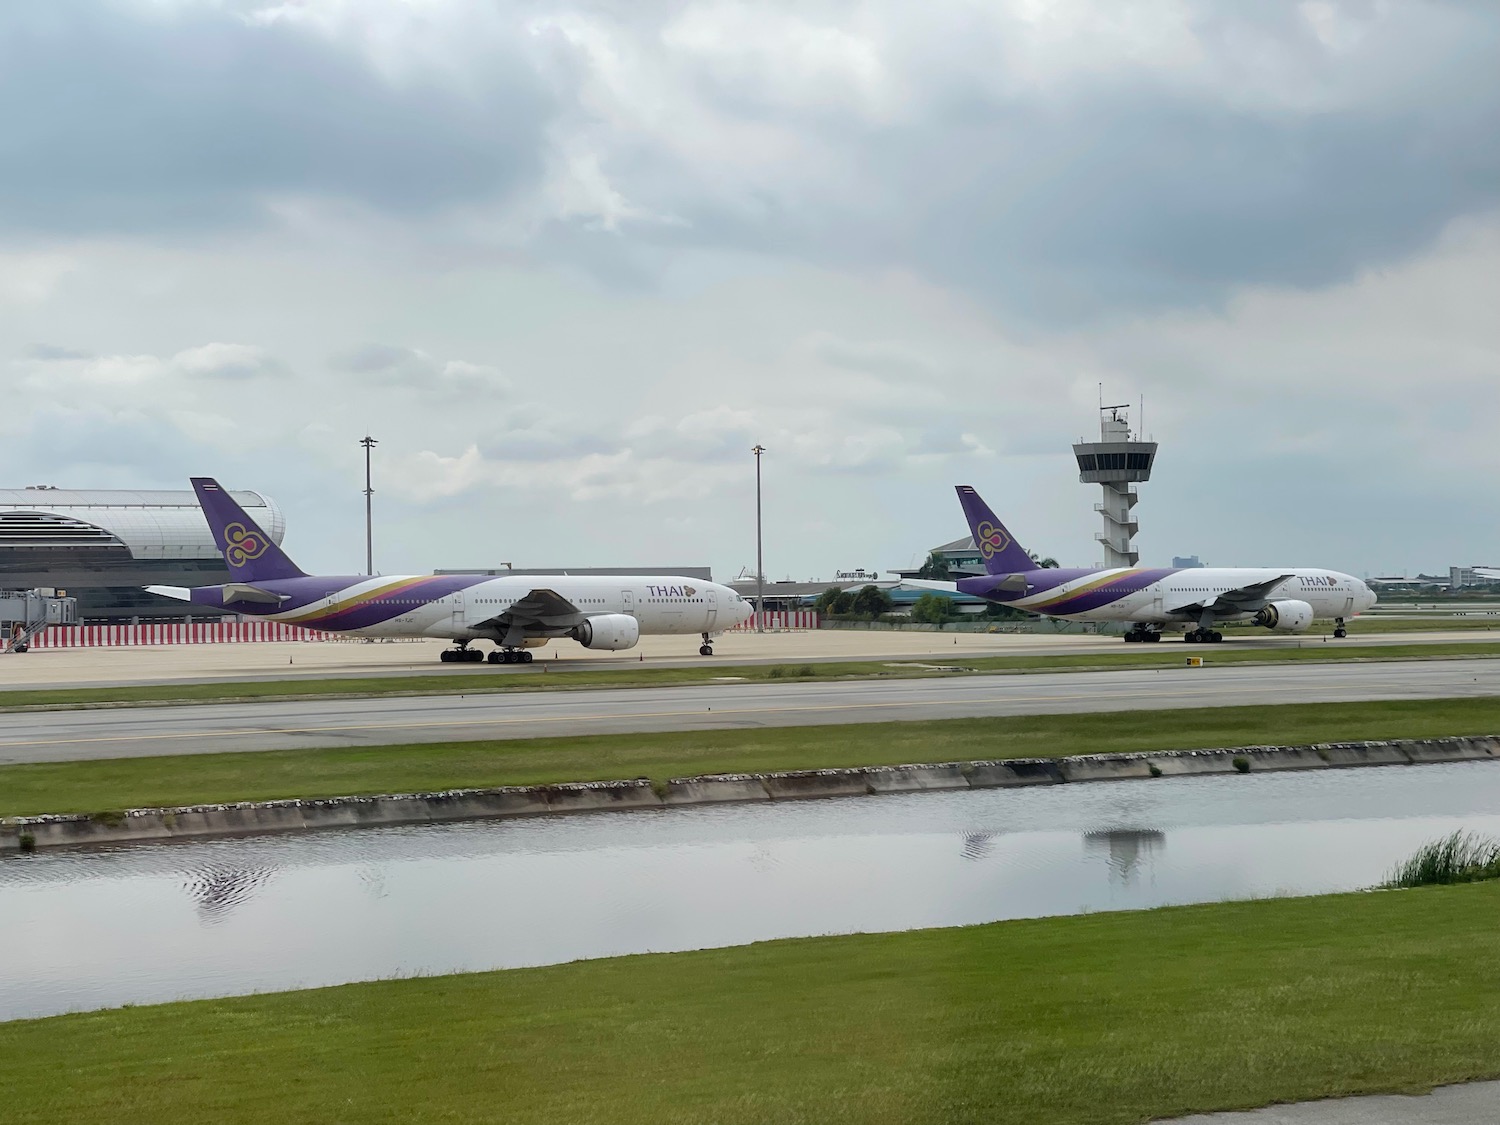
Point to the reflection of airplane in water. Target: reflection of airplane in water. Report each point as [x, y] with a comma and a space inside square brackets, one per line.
[1128, 849]
[977, 845]
[217, 891]
[516, 613]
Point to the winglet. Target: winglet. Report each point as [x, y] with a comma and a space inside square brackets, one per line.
[999, 549]
[249, 552]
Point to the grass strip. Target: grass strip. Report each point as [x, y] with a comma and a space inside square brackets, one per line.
[190, 779]
[484, 679]
[1103, 1019]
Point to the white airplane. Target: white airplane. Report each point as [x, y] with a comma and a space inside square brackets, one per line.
[516, 613]
[1283, 599]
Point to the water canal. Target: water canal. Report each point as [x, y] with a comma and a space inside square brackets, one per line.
[144, 923]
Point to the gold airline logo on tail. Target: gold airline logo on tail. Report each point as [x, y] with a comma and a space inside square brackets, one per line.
[242, 545]
[992, 539]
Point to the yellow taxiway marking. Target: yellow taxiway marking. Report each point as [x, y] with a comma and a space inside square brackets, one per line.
[520, 720]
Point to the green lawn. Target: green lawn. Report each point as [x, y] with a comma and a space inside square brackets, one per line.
[485, 679]
[95, 786]
[1093, 1020]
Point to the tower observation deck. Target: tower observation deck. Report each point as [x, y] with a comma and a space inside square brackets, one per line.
[1116, 461]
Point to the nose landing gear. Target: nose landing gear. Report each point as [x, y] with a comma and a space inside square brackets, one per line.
[707, 648]
[1339, 629]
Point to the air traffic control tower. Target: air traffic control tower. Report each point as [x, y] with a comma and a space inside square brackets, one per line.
[1115, 462]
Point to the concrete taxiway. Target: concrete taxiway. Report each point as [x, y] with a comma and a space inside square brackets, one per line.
[289, 660]
[1477, 1103]
[44, 736]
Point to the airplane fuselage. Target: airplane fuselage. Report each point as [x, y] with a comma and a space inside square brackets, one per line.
[459, 607]
[1165, 596]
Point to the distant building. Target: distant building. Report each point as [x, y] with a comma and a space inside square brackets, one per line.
[1189, 562]
[961, 555]
[103, 546]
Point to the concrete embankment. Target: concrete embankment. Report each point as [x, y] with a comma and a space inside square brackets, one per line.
[25, 833]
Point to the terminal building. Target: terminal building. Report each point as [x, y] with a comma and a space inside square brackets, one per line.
[103, 546]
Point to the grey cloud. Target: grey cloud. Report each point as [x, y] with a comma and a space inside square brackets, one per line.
[371, 359]
[229, 361]
[93, 448]
[531, 433]
[1122, 190]
[886, 360]
[189, 117]
[52, 353]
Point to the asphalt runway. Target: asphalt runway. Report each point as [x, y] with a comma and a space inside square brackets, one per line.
[293, 660]
[51, 736]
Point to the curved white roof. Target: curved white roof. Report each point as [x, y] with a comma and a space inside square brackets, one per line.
[158, 524]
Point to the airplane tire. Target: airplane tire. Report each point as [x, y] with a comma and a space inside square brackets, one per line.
[1153, 637]
[1340, 634]
[527, 657]
[446, 656]
[494, 657]
[705, 650]
[1190, 637]
[1215, 638]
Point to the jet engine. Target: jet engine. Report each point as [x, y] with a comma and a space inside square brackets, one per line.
[612, 631]
[1285, 617]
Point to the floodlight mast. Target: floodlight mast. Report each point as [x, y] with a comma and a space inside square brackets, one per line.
[369, 443]
[760, 566]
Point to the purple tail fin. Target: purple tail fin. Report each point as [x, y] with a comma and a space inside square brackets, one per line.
[249, 552]
[999, 549]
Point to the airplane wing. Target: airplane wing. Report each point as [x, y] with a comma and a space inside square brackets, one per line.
[930, 584]
[540, 609]
[1245, 599]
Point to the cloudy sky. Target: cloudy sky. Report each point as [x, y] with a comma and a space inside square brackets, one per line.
[568, 262]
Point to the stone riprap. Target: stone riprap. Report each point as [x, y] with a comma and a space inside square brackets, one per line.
[26, 832]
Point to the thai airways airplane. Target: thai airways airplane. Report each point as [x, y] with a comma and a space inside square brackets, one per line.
[1285, 600]
[516, 613]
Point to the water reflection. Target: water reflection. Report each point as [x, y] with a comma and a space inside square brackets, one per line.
[977, 845]
[1126, 850]
[138, 924]
[218, 890]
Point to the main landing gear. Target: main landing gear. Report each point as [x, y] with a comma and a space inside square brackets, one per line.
[1339, 631]
[1202, 636]
[1143, 633]
[707, 648]
[463, 654]
[511, 656]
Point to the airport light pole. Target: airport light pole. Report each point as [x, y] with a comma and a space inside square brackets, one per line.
[369, 443]
[760, 566]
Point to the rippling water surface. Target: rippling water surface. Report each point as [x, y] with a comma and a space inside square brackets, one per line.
[97, 928]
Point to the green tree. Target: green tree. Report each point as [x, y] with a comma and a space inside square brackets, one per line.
[1048, 563]
[873, 601]
[932, 609]
[935, 569]
[844, 603]
[826, 600]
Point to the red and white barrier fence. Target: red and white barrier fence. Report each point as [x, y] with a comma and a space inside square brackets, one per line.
[781, 619]
[174, 633]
